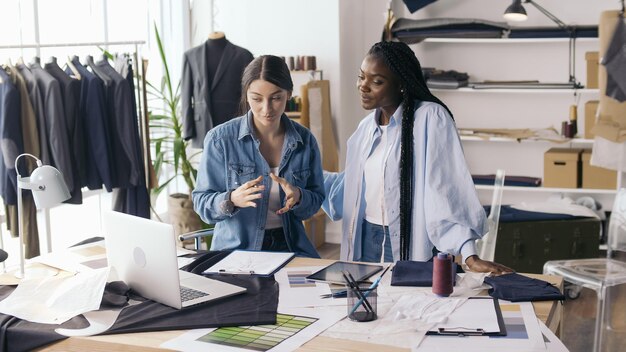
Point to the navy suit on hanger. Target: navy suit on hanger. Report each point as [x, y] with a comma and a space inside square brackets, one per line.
[70, 93]
[11, 141]
[96, 129]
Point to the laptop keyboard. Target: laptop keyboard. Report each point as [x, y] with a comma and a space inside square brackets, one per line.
[187, 294]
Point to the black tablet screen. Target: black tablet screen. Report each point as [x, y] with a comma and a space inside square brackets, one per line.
[332, 273]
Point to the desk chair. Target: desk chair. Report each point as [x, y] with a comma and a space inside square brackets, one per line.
[487, 244]
[602, 273]
[197, 237]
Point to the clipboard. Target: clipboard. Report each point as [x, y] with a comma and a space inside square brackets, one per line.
[478, 316]
[243, 262]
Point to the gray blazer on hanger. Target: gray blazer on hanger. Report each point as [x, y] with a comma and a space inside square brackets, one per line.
[207, 104]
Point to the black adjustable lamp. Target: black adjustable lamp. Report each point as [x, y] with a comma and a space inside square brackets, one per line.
[516, 12]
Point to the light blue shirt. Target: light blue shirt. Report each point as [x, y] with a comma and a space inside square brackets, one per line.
[446, 209]
[231, 157]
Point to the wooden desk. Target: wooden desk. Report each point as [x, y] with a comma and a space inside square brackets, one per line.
[549, 312]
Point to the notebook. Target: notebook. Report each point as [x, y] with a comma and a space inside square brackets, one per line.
[142, 253]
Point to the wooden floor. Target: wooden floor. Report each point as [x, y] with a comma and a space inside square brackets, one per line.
[578, 315]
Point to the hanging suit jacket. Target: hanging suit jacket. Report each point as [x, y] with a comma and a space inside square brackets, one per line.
[96, 129]
[119, 163]
[207, 104]
[56, 124]
[11, 142]
[38, 108]
[30, 136]
[133, 200]
[70, 95]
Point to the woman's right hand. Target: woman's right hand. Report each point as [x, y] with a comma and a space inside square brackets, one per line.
[245, 195]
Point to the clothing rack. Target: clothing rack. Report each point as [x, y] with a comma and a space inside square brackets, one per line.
[54, 45]
[138, 78]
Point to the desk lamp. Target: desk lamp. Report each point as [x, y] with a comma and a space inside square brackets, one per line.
[49, 189]
[516, 12]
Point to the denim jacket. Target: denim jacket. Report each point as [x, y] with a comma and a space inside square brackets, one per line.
[231, 157]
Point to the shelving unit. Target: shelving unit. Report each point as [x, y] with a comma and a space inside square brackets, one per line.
[512, 59]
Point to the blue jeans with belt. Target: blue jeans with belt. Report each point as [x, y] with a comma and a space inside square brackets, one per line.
[372, 242]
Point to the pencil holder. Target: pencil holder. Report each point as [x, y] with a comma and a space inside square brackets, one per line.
[361, 303]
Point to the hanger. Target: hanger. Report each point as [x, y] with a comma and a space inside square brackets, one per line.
[52, 60]
[20, 60]
[216, 35]
[75, 72]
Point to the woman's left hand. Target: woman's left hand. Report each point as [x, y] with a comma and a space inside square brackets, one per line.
[474, 263]
[292, 194]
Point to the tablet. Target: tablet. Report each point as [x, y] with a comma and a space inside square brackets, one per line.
[332, 273]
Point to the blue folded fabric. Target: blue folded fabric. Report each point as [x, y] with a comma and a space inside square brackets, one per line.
[518, 288]
[414, 273]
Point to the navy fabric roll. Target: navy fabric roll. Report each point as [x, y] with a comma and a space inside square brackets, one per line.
[518, 288]
[414, 273]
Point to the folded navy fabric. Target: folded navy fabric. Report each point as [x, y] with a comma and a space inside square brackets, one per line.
[518, 288]
[414, 273]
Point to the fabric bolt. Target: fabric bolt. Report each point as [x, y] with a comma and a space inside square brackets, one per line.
[518, 288]
[210, 101]
[446, 210]
[415, 273]
[234, 159]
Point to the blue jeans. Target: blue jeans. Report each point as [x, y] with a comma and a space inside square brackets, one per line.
[372, 241]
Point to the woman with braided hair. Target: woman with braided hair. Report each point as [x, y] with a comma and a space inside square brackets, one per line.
[406, 189]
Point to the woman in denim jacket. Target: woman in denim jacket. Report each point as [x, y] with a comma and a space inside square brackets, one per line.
[260, 173]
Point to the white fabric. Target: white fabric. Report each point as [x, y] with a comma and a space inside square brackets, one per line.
[373, 180]
[273, 220]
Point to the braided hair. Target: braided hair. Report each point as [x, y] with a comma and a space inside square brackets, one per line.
[401, 60]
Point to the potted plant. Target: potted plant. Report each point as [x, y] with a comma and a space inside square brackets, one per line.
[170, 148]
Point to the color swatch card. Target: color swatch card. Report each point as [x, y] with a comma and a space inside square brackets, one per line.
[293, 328]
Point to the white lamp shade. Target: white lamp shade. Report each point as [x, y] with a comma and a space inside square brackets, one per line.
[49, 188]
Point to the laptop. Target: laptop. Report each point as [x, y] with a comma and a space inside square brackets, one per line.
[142, 253]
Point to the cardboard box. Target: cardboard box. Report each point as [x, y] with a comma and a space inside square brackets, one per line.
[561, 168]
[597, 177]
[592, 58]
[590, 118]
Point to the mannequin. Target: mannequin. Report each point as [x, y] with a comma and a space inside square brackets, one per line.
[216, 35]
[215, 49]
